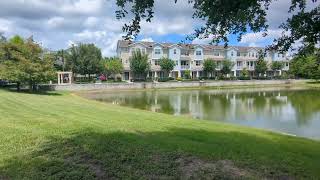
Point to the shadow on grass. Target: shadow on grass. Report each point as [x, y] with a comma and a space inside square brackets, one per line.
[314, 82]
[27, 91]
[174, 154]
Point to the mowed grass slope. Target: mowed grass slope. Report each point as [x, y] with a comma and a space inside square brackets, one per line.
[63, 136]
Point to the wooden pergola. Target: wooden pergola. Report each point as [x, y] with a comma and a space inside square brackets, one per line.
[64, 78]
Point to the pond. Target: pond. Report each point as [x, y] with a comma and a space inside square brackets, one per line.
[287, 110]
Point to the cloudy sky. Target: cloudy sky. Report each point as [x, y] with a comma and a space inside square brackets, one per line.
[59, 23]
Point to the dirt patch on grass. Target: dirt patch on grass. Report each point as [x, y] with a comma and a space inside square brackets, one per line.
[93, 165]
[195, 168]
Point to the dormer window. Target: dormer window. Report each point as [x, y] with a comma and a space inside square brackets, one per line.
[174, 51]
[216, 53]
[238, 53]
[278, 55]
[198, 53]
[231, 53]
[157, 51]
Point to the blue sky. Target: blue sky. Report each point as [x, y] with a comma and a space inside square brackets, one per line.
[57, 24]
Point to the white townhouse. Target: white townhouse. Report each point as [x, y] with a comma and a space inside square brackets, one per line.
[191, 57]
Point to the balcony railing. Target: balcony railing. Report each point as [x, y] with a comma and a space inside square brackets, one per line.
[185, 66]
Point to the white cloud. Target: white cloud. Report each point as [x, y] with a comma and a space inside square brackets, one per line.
[147, 40]
[91, 22]
[5, 25]
[55, 22]
[256, 38]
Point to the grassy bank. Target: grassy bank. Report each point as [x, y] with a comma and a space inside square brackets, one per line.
[60, 135]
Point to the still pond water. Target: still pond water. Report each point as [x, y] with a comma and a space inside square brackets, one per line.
[291, 111]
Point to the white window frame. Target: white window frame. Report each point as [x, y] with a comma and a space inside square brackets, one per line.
[157, 51]
[198, 52]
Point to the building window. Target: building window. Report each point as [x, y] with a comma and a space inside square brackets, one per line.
[251, 63]
[157, 62]
[239, 63]
[176, 63]
[126, 61]
[256, 55]
[216, 53]
[283, 55]
[174, 51]
[231, 53]
[198, 53]
[238, 53]
[278, 55]
[287, 64]
[248, 63]
[198, 63]
[157, 51]
[244, 55]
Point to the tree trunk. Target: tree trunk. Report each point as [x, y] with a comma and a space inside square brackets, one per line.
[18, 86]
[30, 86]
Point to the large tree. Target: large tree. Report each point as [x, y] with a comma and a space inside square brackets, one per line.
[226, 67]
[261, 66]
[25, 62]
[209, 66]
[113, 66]
[84, 59]
[139, 65]
[237, 17]
[306, 67]
[167, 65]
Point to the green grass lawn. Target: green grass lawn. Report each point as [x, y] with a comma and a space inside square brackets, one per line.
[63, 136]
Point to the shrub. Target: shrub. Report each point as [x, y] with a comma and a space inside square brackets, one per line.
[179, 79]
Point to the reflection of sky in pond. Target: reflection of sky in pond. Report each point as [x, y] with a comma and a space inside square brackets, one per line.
[288, 111]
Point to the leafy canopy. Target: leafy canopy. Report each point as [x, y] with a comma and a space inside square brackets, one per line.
[226, 67]
[261, 65]
[167, 65]
[84, 59]
[209, 66]
[277, 65]
[25, 62]
[139, 64]
[224, 17]
[113, 66]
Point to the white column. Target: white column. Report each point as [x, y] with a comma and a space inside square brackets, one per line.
[155, 74]
[280, 72]
[235, 73]
[70, 78]
[170, 74]
[179, 74]
[59, 79]
[197, 74]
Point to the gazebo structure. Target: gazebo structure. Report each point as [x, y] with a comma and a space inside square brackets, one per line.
[64, 78]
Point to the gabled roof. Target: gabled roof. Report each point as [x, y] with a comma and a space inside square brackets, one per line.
[122, 43]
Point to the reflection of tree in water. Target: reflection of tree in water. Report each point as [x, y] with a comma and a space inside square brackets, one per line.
[306, 104]
[215, 106]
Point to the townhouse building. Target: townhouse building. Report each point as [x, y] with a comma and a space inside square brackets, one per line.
[191, 57]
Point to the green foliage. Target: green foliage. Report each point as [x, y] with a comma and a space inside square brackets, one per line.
[25, 62]
[223, 18]
[277, 65]
[226, 67]
[306, 67]
[244, 73]
[167, 65]
[261, 65]
[139, 65]
[186, 74]
[209, 66]
[113, 66]
[84, 59]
